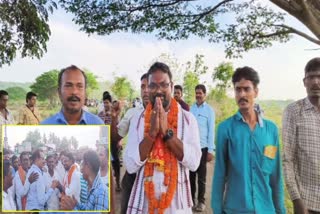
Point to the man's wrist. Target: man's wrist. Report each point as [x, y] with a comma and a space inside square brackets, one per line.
[168, 135]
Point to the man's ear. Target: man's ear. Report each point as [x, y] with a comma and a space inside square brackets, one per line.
[256, 89]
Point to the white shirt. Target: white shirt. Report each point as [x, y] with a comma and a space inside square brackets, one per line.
[8, 203]
[74, 187]
[3, 121]
[60, 171]
[182, 201]
[53, 201]
[123, 126]
[20, 189]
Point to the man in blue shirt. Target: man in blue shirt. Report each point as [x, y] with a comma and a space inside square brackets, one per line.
[72, 84]
[97, 198]
[205, 118]
[37, 195]
[247, 175]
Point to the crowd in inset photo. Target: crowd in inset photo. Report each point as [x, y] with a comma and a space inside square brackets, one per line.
[56, 181]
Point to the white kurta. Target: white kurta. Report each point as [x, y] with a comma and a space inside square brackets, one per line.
[53, 201]
[188, 132]
[74, 187]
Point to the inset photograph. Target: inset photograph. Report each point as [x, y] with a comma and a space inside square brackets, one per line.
[55, 168]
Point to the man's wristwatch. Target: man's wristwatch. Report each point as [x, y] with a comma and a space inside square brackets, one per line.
[168, 135]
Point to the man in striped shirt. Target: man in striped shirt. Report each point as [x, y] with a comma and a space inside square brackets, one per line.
[97, 198]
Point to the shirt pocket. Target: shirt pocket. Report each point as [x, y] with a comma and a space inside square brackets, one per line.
[202, 120]
[268, 165]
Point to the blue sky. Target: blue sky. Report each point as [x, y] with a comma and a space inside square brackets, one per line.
[124, 54]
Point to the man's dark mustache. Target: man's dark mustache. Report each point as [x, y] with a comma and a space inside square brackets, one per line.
[242, 99]
[315, 88]
[73, 98]
[159, 95]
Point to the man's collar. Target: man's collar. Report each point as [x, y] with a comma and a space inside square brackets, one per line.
[61, 117]
[96, 181]
[201, 105]
[36, 167]
[307, 104]
[6, 110]
[239, 116]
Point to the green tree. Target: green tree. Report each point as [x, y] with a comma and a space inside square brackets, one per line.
[16, 93]
[174, 65]
[222, 77]
[24, 28]
[34, 137]
[74, 142]
[44, 139]
[65, 145]
[191, 77]
[53, 139]
[92, 83]
[122, 88]
[46, 86]
[250, 25]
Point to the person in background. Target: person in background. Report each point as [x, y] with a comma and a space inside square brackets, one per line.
[120, 129]
[21, 183]
[15, 164]
[37, 195]
[71, 181]
[97, 191]
[301, 143]
[6, 117]
[177, 94]
[7, 200]
[50, 176]
[205, 117]
[29, 113]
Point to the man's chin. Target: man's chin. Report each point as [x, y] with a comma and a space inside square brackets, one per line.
[73, 110]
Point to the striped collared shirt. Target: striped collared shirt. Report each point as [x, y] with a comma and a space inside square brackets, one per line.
[301, 159]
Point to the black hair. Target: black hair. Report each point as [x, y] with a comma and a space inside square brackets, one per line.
[144, 76]
[91, 158]
[62, 153]
[246, 73]
[178, 87]
[70, 156]
[201, 87]
[313, 65]
[50, 156]
[29, 95]
[3, 93]
[24, 153]
[6, 167]
[162, 67]
[13, 158]
[36, 154]
[106, 96]
[71, 67]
